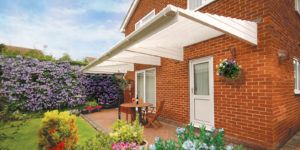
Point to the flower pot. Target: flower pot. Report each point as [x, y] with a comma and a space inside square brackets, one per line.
[143, 146]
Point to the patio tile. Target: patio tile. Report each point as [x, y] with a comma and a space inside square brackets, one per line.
[104, 120]
[293, 143]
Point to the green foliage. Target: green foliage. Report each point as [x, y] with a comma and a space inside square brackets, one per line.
[79, 63]
[58, 129]
[229, 68]
[91, 103]
[125, 132]
[26, 138]
[65, 57]
[40, 56]
[188, 139]
[102, 141]
[121, 82]
[30, 53]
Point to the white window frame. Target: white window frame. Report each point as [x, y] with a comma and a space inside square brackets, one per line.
[144, 71]
[205, 2]
[142, 22]
[297, 75]
[297, 7]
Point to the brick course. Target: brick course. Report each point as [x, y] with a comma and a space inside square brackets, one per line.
[259, 109]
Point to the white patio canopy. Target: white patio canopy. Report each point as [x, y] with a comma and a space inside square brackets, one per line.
[166, 35]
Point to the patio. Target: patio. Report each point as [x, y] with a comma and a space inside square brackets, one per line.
[104, 120]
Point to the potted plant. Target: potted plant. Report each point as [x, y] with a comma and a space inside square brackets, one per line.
[229, 68]
[127, 135]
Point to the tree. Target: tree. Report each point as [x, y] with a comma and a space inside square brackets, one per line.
[2, 48]
[65, 57]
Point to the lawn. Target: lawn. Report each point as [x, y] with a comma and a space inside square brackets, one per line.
[27, 137]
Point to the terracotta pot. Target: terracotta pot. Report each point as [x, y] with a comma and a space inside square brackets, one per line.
[143, 146]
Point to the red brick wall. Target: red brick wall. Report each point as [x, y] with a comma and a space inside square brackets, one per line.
[285, 36]
[260, 108]
[145, 6]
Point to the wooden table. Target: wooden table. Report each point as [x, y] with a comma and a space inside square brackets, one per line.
[133, 107]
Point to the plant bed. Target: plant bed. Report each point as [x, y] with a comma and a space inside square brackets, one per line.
[26, 138]
[91, 109]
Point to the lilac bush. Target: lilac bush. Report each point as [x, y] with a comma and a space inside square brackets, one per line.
[104, 89]
[35, 85]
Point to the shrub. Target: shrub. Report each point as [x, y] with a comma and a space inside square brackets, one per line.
[125, 132]
[188, 139]
[102, 141]
[58, 131]
[32, 85]
[104, 89]
[91, 103]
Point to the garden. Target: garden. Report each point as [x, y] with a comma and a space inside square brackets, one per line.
[42, 99]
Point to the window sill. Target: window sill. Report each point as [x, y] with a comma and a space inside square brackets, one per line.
[297, 92]
[198, 8]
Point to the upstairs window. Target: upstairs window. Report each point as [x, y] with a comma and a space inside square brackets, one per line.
[145, 19]
[297, 5]
[297, 75]
[197, 4]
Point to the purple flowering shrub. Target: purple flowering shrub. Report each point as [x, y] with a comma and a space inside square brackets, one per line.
[34, 85]
[104, 89]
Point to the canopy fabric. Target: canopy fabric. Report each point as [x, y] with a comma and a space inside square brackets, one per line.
[166, 35]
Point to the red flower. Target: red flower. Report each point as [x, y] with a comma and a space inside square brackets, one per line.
[52, 131]
[98, 107]
[89, 108]
[59, 146]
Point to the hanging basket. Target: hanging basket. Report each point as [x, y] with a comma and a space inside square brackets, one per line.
[229, 68]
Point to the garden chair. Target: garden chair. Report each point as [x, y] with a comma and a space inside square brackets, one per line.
[153, 115]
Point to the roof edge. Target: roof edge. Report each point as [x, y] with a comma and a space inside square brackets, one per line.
[129, 14]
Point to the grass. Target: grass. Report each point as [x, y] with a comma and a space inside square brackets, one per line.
[27, 136]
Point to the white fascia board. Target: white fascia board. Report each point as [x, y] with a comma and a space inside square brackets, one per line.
[129, 14]
[241, 29]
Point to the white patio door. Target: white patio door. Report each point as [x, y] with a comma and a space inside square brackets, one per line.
[146, 85]
[201, 92]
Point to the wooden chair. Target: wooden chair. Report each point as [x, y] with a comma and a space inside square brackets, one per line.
[152, 116]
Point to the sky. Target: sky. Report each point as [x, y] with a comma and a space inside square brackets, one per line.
[81, 28]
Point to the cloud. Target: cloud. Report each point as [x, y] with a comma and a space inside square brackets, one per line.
[80, 28]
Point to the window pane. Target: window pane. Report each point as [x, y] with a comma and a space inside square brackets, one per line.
[298, 76]
[150, 86]
[140, 85]
[295, 73]
[193, 4]
[298, 1]
[201, 79]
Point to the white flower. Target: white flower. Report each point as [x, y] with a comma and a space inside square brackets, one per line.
[188, 145]
[212, 147]
[207, 134]
[212, 129]
[229, 147]
[180, 131]
[203, 146]
[221, 130]
[152, 147]
[156, 139]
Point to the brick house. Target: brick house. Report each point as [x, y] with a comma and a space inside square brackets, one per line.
[171, 50]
